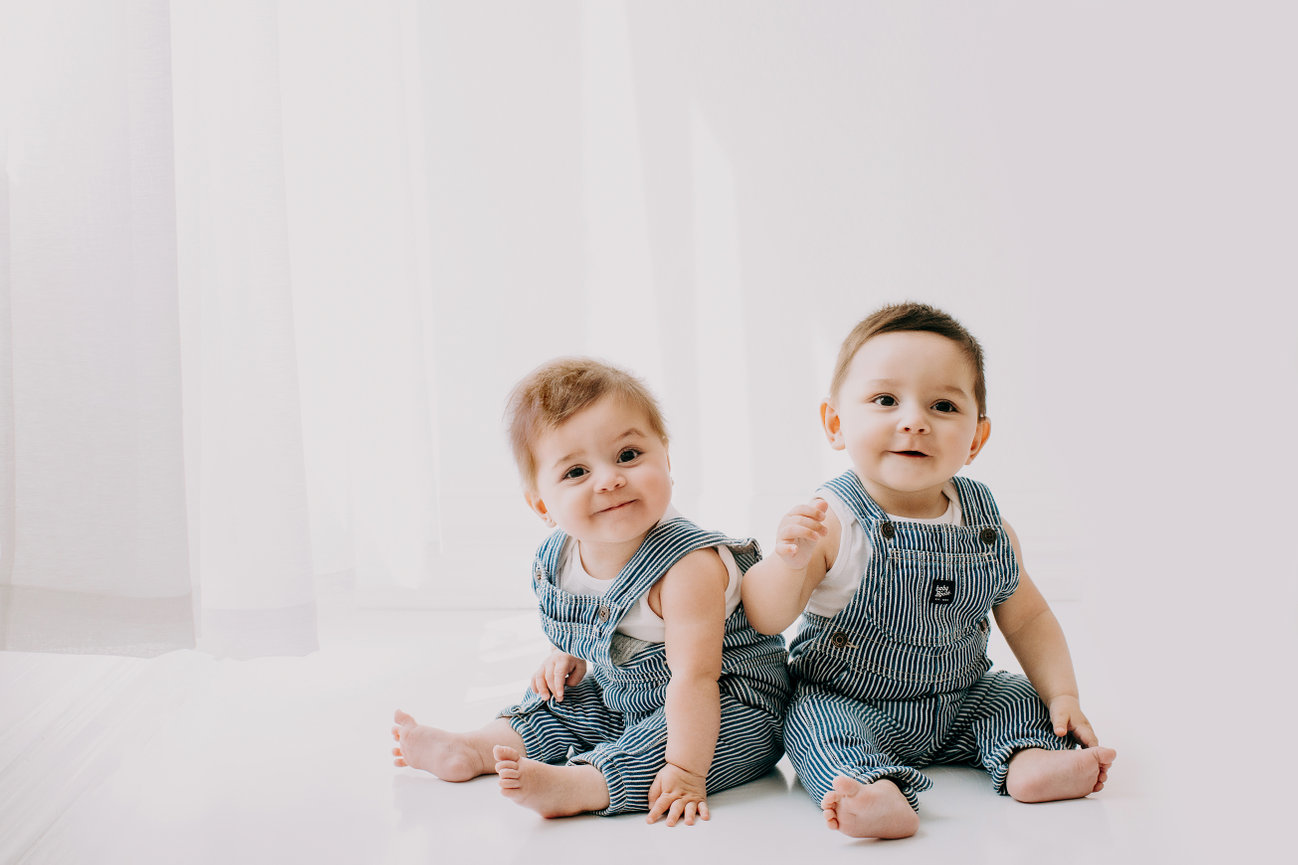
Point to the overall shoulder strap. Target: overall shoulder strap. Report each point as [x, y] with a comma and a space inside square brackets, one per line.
[976, 503]
[665, 545]
[548, 555]
[848, 487]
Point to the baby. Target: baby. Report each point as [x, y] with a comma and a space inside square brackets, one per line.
[659, 691]
[894, 566]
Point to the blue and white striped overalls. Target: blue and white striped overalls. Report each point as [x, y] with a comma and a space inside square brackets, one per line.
[614, 718]
[898, 678]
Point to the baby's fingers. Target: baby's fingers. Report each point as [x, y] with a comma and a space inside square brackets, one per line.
[538, 685]
[815, 509]
[660, 806]
[557, 674]
[1085, 733]
[802, 528]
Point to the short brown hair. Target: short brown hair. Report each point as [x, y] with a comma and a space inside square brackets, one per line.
[555, 391]
[912, 316]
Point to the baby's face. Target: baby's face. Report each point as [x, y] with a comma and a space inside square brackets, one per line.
[907, 416]
[602, 476]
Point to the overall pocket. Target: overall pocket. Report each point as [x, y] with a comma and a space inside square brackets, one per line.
[931, 599]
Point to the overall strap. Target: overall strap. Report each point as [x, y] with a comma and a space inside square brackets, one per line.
[848, 487]
[548, 555]
[976, 503]
[665, 545]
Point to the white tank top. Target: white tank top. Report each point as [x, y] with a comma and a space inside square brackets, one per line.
[640, 622]
[854, 551]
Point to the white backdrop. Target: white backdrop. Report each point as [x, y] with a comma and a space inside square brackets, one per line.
[270, 270]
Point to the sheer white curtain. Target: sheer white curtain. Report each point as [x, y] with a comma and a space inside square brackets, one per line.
[267, 271]
[216, 377]
[272, 270]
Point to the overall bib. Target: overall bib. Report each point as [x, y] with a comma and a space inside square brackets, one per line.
[614, 719]
[898, 678]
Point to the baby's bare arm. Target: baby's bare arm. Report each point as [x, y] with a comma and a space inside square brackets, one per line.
[776, 589]
[692, 605]
[1037, 640]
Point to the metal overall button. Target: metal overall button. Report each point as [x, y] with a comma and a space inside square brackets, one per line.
[988, 536]
[603, 614]
[538, 572]
[839, 640]
[888, 530]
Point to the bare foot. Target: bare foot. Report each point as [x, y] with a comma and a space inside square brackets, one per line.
[551, 791]
[1038, 775]
[877, 810]
[449, 756]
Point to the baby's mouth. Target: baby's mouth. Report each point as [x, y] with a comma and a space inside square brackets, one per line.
[910, 453]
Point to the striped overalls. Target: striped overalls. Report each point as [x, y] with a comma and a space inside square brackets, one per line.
[898, 678]
[614, 719]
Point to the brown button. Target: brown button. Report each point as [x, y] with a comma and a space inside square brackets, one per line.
[603, 614]
[988, 536]
[839, 639]
[538, 573]
[888, 530]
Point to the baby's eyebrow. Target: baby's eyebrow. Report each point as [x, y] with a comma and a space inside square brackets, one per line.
[632, 433]
[892, 383]
[566, 458]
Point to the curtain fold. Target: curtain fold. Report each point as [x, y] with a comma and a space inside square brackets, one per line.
[99, 559]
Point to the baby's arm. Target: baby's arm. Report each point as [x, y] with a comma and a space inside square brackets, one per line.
[776, 589]
[691, 599]
[1034, 635]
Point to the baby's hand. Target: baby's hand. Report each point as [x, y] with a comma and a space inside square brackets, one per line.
[557, 671]
[1066, 715]
[678, 793]
[798, 532]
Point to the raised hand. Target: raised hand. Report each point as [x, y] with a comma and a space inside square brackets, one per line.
[798, 532]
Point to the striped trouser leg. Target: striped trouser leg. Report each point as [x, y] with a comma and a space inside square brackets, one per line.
[748, 746]
[828, 735]
[1001, 716]
[553, 731]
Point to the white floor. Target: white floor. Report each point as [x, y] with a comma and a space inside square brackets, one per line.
[189, 759]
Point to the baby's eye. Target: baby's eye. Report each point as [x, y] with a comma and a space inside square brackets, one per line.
[885, 400]
[945, 405]
[627, 455]
[574, 473]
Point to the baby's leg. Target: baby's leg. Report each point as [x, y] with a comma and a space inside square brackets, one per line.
[876, 810]
[450, 756]
[839, 748]
[551, 791]
[1038, 775]
[1006, 728]
[749, 744]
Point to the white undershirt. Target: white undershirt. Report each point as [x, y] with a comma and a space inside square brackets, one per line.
[640, 622]
[854, 551]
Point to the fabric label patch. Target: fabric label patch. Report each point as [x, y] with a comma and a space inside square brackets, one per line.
[943, 592]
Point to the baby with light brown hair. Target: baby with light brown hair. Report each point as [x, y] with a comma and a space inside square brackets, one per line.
[658, 691]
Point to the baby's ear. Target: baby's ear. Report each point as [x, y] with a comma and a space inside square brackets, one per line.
[831, 424]
[981, 435]
[534, 501]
